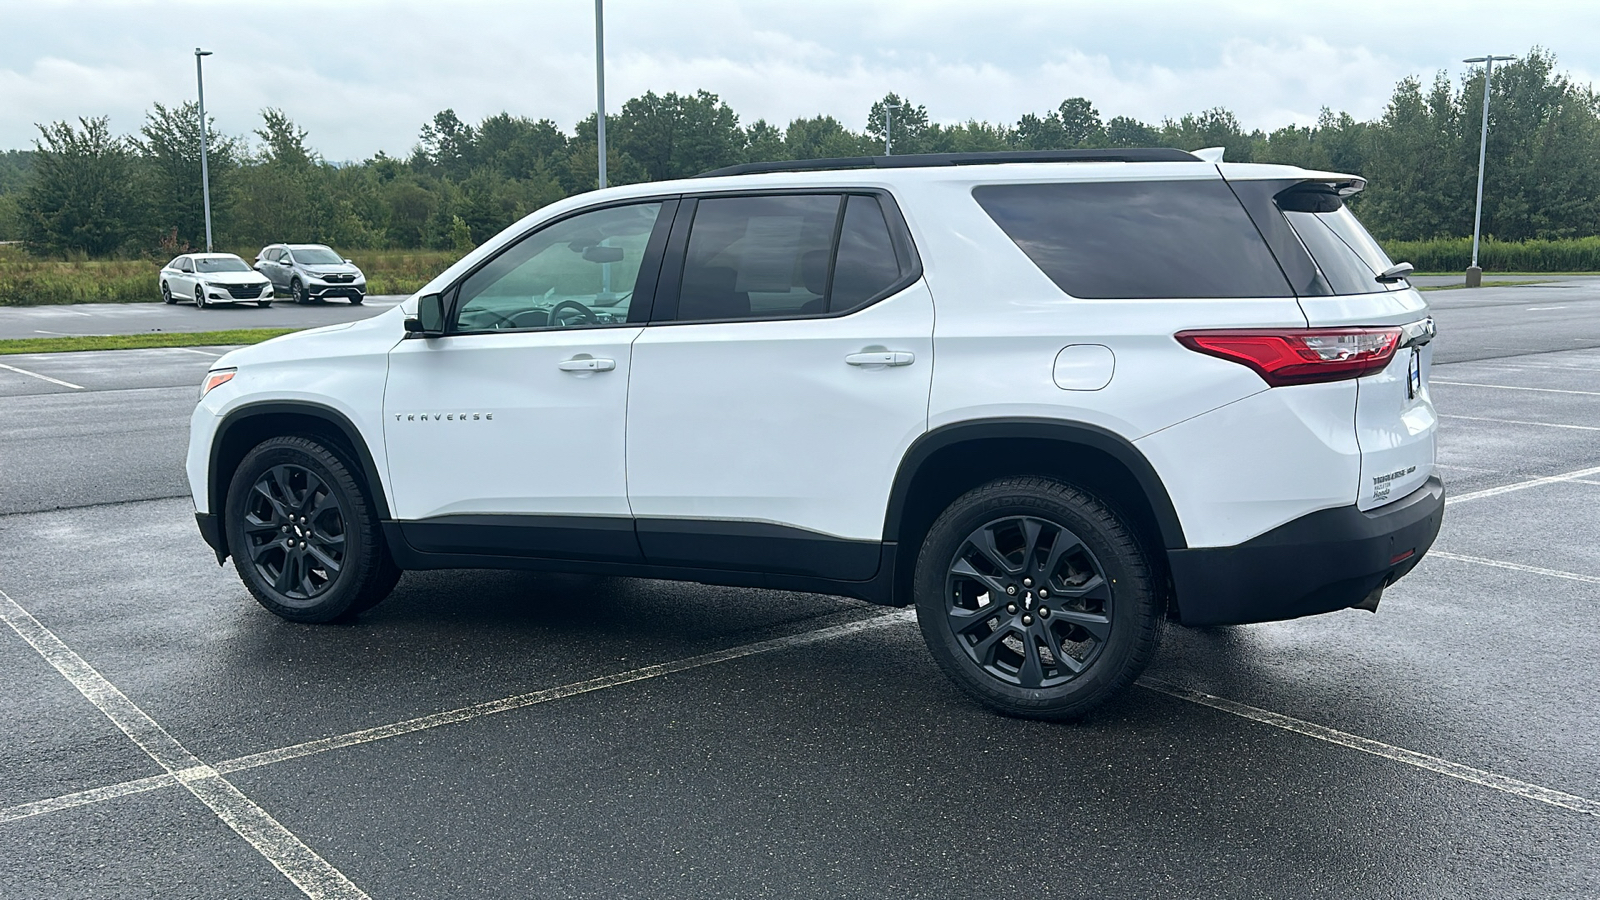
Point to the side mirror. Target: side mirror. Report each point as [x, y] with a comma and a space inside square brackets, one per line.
[349, 260]
[429, 320]
[1396, 272]
[285, 262]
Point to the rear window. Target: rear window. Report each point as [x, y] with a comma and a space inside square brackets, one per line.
[1346, 253]
[1137, 239]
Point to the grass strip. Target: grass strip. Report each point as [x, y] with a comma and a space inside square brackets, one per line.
[1457, 287]
[141, 341]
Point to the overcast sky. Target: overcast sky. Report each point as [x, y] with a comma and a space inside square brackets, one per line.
[363, 75]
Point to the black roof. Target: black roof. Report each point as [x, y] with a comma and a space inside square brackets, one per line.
[926, 160]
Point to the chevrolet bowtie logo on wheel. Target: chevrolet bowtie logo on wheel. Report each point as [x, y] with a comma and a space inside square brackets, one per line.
[444, 417]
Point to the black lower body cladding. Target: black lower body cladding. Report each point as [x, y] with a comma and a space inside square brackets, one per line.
[1329, 560]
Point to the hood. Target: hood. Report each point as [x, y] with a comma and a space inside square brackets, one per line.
[231, 277]
[377, 334]
[336, 269]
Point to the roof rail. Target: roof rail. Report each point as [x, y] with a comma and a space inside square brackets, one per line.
[927, 160]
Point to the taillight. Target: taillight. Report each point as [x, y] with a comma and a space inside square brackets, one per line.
[1284, 356]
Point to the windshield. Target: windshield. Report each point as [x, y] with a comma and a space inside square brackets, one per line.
[317, 256]
[221, 264]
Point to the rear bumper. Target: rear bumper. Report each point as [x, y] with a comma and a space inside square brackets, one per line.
[1328, 560]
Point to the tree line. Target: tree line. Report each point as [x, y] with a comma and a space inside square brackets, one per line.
[83, 190]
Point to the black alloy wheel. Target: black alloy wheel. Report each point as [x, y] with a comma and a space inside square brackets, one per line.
[199, 297]
[1028, 602]
[303, 534]
[1036, 598]
[355, 299]
[166, 294]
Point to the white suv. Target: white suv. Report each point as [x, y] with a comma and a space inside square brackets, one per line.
[1051, 399]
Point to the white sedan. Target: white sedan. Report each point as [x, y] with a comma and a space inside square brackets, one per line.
[214, 278]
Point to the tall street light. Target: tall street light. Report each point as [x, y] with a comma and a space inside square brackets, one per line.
[888, 127]
[1474, 273]
[600, 83]
[205, 172]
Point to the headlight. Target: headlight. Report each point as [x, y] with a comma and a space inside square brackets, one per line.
[216, 378]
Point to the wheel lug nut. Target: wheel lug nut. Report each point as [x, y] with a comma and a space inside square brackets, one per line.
[1011, 607]
[1027, 620]
[1011, 589]
[1044, 612]
[1043, 593]
[1027, 582]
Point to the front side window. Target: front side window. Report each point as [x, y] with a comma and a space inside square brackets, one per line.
[578, 272]
[184, 265]
[1137, 239]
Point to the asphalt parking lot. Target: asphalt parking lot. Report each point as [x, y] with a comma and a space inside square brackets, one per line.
[515, 734]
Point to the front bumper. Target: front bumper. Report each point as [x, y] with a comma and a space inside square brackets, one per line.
[323, 291]
[1329, 560]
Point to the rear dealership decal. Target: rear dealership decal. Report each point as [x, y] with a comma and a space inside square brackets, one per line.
[1414, 375]
[1382, 483]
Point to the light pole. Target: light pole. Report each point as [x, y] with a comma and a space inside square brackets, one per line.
[600, 83]
[205, 172]
[888, 127]
[1474, 273]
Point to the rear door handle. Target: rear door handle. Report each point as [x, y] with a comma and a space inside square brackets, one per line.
[882, 358]
[587, 364]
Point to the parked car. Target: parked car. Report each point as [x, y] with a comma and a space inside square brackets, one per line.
[310, 272]
[213, 278]
[1049, 399]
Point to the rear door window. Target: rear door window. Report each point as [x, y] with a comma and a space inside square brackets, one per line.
[866, 266]
[758, 257]
[1137, 239]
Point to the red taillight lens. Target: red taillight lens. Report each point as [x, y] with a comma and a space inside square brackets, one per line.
[1284, 356]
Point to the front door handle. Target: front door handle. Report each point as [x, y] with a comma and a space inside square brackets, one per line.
[587, 364]
[882, 358]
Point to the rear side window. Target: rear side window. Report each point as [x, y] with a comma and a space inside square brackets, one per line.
[788, 256]
[1137, 239]
[1350, 259]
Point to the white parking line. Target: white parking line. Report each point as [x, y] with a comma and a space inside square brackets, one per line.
[1521, 422]
[1435, 764]
[76, 387]
[313, 875]
[1515, 567]
[1508, 387]
[1521, 485]
[201, 352]
[462, 714]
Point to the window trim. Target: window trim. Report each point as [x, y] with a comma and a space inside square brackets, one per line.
[638, 307]
[671, 280]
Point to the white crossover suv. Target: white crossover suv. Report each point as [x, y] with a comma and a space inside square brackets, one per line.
[1050, 399]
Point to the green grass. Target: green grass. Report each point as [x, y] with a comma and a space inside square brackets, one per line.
[1457, 287]
[141, 341]
[1453, 255]
[33, 281]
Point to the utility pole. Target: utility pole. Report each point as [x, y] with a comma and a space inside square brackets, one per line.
[205, 172]
[600, 83]
[1474, 272]
[888, 127]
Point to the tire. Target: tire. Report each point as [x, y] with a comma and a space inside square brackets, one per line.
[301, 295]
[303, 533]
[264, 304]
[199, 298]
[1055, 648]
[355, 299]
[166, 294]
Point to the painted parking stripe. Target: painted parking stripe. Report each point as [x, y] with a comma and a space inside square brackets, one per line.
[462, 714]
[1522, 422]
[1515, 567]
[1435, 764]
[313, 875]
[1522, 485]
[76, 387]
[1509, 387]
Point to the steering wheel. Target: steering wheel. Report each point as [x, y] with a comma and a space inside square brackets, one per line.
[587, 314]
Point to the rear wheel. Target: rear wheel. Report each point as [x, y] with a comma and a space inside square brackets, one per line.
[303, 534]
[1036, 598]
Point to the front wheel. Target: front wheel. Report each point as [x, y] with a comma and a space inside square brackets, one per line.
[301, 295]
[199, 298]
[355, 299]
[166, 294]
[303, 534]
[1036, 598]
[264, 304]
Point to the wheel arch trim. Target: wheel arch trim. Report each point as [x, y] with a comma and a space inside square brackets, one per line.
[1079, 434]
[352, 435]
